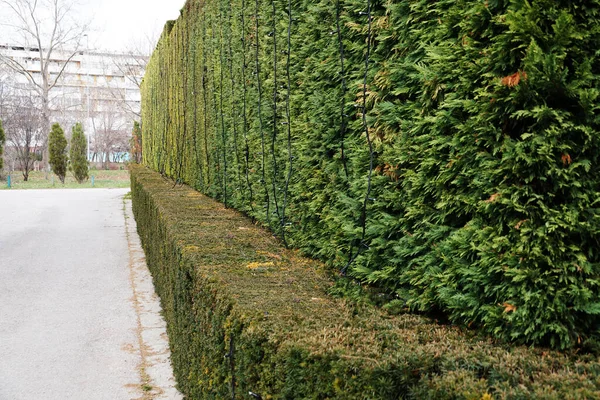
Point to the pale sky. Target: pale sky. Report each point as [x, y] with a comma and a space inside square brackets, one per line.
[119, 24]
[116, 25]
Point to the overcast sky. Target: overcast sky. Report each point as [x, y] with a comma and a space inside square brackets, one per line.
[118, 24]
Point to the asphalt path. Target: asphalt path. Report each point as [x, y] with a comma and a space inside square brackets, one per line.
[69, 324]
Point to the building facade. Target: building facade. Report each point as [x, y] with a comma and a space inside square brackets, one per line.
[98, 89]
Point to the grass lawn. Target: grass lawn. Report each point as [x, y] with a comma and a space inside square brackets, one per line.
[43, 180]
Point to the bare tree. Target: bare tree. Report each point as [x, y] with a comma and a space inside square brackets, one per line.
[45, 27]
[131, 65]
[110, 134]
[6, 85]
[23, 125]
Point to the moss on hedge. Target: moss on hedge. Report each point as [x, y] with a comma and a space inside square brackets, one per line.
[246, 315]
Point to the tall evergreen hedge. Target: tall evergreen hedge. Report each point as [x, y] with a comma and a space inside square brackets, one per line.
[445, 151]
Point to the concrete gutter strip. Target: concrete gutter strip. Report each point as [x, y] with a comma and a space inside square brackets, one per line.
[156, 370]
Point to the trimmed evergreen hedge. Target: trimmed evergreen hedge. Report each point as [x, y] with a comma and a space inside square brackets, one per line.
[446, 151]
[246, 315]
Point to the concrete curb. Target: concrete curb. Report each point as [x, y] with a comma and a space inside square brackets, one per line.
[156, 370]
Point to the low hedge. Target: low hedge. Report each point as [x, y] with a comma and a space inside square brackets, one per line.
[246, 315]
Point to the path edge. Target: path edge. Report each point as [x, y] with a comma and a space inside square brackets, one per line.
[156, 370]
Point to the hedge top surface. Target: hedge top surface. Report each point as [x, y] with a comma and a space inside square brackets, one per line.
[284, 295]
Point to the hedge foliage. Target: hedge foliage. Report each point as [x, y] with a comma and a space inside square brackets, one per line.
[246, 315]
[445, 151]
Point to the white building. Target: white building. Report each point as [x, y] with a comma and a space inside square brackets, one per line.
[98, 89]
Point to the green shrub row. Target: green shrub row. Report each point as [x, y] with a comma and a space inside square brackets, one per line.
[246, 315]
[445, 151]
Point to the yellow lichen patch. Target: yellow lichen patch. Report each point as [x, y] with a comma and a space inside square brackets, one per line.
[191, 248]
[255, 265]
[271, 255]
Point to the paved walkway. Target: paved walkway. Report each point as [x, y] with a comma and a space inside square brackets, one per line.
[78, 315]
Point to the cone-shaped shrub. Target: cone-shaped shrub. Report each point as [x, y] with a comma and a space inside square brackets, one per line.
[57, 144]
[78, 154]
[135, 143]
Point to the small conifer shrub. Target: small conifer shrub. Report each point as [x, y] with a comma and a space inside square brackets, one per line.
[136, 143]
[78, 154]
[57, 143]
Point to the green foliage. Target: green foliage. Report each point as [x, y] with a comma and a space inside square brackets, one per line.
[462, 178]
[78, 154]
[57, 147]
[2, 141]
[244, 314]
[135, 143]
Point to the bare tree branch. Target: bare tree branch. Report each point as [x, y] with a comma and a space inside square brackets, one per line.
[23, 128]
[46, 23]
[20, 69]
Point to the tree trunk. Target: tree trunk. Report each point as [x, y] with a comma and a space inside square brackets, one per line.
[45, 123]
